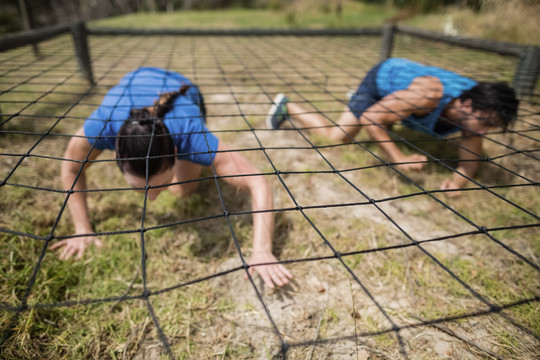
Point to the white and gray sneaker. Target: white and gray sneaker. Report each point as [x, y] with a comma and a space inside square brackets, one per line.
[278, 112]
[350, 94]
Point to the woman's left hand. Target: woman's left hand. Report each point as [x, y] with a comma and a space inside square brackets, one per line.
[272, 273]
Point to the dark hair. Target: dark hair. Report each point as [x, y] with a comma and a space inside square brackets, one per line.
[494, 96]
[144, 134]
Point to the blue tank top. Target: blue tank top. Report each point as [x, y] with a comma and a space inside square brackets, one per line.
[396, 74]
[139, 88]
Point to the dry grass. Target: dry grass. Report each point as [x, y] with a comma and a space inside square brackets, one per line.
[511, 21]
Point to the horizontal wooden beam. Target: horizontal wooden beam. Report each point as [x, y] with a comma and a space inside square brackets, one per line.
[499, 47]
[30, 37]
[235, 32]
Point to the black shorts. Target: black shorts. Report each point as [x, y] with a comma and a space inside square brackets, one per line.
[367, 93]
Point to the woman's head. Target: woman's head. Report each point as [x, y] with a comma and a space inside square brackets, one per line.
[141, 137]
[144, 135]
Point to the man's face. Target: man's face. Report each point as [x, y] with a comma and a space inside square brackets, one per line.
[481, 121]
[478, 121]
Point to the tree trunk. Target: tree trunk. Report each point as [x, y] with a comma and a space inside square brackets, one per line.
[151, 5]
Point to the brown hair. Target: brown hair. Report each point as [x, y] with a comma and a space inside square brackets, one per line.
[144, 139]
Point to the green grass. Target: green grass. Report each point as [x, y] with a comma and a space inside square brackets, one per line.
[354, 15]
[504, 21]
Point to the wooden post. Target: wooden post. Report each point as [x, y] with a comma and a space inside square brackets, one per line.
[80, 41]
[387, 41]
[27, 23]
[527, 71]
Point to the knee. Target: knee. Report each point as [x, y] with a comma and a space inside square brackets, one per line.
[344, 133]
[341, 134]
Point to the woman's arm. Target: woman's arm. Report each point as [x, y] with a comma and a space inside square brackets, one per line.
[78, 149]
[230, 163]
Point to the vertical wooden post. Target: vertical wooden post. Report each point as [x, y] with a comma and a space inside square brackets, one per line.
[27, 22]
[527, 71]
[80, 41]
[387, 41]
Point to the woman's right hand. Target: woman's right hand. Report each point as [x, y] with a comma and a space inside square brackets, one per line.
[75, 246]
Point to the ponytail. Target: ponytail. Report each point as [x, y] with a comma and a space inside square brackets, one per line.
[165, 102]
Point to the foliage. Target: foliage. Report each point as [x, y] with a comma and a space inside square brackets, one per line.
[420, 5]
[49, 12]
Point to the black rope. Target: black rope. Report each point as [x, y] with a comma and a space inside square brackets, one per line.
[246, 66]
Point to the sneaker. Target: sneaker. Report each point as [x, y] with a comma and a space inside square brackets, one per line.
[350, 94]
[278, 112]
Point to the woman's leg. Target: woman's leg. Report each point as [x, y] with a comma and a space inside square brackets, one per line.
[185, 171]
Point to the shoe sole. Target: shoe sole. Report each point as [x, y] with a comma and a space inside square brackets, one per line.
[273, 109]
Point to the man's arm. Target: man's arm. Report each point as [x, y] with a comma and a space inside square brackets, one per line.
[421, 97]
[230, 163]
[78, 149]
[469, 151]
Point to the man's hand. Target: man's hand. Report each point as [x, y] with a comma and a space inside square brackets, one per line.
[449, 184]
[469, 152]
[271, 274]
[75, 246]
[417, 162]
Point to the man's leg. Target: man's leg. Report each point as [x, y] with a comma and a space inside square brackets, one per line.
[348, 125]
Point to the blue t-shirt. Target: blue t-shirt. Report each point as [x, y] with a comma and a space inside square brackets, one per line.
[396, 74]
[140, 88]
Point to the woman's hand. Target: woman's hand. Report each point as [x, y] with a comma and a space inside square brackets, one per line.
[271, 274]
[80, 153]
[75, 246]
[232, 165]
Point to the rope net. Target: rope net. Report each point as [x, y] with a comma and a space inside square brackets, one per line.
[385, 263]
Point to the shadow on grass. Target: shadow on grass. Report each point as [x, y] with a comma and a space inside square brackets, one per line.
[207, 234]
